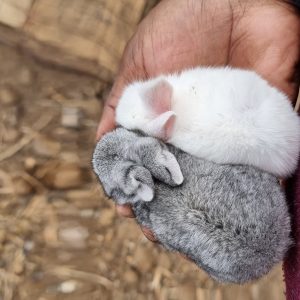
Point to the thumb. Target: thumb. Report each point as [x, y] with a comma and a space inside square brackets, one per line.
[107, 122]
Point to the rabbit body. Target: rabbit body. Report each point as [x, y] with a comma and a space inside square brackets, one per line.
[231, 220]
[224, 115]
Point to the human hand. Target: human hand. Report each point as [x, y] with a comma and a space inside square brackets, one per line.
[262, 35]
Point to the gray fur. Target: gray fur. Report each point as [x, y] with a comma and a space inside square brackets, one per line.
[232, 221]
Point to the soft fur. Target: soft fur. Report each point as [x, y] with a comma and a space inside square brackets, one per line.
[232, 221]
[220, 114]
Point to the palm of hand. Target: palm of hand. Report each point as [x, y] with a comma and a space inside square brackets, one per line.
[262, 35]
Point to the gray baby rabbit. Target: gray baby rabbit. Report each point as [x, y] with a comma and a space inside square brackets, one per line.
[232, 221]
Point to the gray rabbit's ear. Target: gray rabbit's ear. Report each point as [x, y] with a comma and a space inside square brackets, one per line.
[168, 161]
[156, 157]
[131, 183]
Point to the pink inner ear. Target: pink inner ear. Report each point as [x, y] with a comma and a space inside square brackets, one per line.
[159, 97]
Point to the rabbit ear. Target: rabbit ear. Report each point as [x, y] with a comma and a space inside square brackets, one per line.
[159, 98]
[168, 161]
[162, 126]
[157, 159]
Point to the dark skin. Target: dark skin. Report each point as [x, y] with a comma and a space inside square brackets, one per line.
[262, 35]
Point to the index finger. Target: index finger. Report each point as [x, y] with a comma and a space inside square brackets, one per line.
[107, 122]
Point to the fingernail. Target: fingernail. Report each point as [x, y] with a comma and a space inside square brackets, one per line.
[149, 234]
[125, 211]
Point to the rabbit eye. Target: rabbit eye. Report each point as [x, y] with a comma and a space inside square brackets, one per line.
[115, 157]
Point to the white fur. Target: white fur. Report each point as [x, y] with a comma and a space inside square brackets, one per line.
[224, 115]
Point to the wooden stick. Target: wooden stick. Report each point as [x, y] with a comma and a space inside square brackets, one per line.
[68, 272]
[39, 125]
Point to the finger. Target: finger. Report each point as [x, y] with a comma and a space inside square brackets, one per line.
[184, 256]
[282, 183]
[269, 48]
[107, 122]
[149, 234]
[125, 211]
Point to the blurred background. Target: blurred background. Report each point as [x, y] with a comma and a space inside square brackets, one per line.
[59, 236]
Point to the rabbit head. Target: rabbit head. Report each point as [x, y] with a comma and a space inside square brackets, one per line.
[127, 163]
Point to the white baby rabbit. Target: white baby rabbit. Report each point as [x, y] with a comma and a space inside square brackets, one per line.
[223, 115]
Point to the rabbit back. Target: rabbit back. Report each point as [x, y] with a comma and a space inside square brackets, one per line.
[232, 221]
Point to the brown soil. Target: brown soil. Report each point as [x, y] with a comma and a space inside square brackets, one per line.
[59, 236]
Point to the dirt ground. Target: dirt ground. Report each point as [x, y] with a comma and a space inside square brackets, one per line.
[59, 236]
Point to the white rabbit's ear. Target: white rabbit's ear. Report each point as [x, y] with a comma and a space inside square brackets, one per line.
[161, 126]
[159, 97]
[159, 100]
